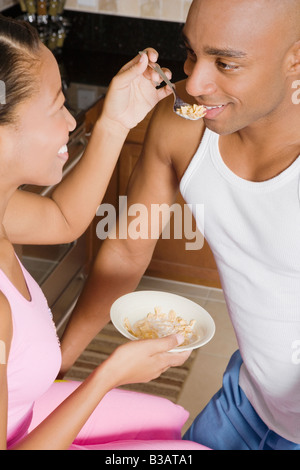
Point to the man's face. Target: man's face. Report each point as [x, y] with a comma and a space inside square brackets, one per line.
[237, 60]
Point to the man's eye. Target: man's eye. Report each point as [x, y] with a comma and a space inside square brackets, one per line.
[225, 66]
[189, 52]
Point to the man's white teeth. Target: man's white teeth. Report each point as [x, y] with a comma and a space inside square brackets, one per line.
[63, 149]
[213, 107]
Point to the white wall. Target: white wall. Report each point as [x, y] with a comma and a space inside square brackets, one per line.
[167, 10]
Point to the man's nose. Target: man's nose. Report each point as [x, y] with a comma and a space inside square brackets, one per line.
[201, 80]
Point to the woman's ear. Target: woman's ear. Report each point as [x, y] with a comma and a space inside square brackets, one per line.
[294, 60]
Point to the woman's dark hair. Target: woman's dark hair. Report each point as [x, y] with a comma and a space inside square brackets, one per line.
[19, 49]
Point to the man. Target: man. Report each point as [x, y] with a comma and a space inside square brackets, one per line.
[243, 64]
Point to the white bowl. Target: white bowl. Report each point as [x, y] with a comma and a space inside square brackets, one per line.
[136, 306]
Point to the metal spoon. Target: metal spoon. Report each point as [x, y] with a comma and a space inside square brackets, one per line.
[178, 102]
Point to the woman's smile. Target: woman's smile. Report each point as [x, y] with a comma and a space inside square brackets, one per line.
[63, 153]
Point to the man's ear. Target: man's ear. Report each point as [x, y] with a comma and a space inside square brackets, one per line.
[294, 59]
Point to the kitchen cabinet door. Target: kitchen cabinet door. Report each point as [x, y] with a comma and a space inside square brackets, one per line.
[111, 194]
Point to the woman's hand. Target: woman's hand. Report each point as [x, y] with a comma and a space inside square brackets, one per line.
[143, 360]
[132, 92]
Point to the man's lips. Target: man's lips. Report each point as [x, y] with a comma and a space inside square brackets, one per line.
[213, 111]
[208, 107]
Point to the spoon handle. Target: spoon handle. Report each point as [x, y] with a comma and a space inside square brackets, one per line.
[160, 72]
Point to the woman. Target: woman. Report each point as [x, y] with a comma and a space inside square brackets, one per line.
[34, 129]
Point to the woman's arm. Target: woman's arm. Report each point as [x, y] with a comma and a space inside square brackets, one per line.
[137, 361]
[32, 219]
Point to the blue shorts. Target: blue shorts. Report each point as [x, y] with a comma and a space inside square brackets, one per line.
[229, 422]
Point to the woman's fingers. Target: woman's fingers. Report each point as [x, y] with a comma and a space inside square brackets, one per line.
[133, 91]
[166, 344]
[162, 347]
[150, 73]
[144, 360]
[134, 68]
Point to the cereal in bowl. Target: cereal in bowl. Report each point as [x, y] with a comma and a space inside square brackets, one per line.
[158, 325]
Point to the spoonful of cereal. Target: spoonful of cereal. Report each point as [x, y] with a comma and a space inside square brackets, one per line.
[193, 112]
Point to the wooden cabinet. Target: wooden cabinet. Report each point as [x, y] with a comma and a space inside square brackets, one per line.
[111, 195]
[171, 259]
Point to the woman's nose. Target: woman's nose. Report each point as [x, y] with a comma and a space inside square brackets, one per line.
[201, 80]
[71, 121]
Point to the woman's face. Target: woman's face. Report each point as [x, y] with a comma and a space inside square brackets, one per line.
[35, 144]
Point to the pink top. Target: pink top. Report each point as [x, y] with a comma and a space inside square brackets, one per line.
[34, 358]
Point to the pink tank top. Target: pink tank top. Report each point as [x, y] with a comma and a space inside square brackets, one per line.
[34, 358]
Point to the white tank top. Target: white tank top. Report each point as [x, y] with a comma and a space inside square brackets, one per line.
[253, 229]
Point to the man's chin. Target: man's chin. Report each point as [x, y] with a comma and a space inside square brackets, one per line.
[221, 128]
[217, 128]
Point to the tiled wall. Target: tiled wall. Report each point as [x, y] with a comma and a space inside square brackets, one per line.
[6, 4]
[167, 10]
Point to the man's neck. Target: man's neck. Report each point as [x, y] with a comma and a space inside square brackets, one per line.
[265, 149]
